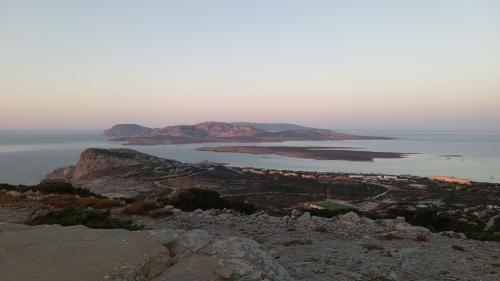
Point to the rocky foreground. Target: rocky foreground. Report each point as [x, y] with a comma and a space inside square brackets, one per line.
[224, 245]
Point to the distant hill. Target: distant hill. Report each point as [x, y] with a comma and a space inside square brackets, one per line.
[224, 132]
[274, 127]
[125, 131]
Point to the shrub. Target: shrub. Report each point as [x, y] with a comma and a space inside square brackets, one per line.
[65, 200]
[62, 188]
[88, 217]
[6, 198]
[435, 221]
[140, 207]
[193, 199]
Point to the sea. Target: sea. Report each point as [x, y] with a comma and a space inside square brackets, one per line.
[26, 156]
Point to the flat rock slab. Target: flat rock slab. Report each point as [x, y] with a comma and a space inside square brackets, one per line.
[48, 253]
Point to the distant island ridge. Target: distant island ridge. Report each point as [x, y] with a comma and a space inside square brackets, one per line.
[225, 132]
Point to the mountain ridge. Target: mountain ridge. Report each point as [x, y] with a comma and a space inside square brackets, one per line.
[225, 132]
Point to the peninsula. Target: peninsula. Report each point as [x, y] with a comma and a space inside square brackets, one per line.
[312, 152]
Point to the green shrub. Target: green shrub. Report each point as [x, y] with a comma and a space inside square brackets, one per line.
[51, 188]
[62, 188]
[193, 199]
[88, 217]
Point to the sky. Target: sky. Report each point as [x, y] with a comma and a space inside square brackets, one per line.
[335, 64]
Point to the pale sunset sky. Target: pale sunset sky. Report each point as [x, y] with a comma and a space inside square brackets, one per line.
[335, 64]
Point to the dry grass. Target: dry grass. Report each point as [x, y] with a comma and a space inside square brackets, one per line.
[321, 228]
[7, 199]
[390, 236]
[372, 246]
[140, 207]
[65, 200]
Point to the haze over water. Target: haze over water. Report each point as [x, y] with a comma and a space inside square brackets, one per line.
[27, 156]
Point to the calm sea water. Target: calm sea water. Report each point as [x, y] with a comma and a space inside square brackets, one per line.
[27, 156]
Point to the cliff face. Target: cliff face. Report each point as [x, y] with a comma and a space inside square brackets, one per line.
[94, 160]
[116, 172]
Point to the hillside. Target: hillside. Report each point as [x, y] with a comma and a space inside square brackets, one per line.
[123, 131]
[224, 132]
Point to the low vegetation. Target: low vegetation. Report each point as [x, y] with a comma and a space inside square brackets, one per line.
[193, 199]
[65, 200]
[437, 222]
[332, 206]
[90, 218]
[50, 188]
[140, 207]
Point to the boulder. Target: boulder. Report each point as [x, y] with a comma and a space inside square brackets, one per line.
[350, 218]
[296, 213]
[305, 218]
[411, 228]
[244, 259]
[189, 243]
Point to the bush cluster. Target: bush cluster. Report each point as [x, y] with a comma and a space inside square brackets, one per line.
[438, 222]
[88, 217]
[51, 188]
[193, 199]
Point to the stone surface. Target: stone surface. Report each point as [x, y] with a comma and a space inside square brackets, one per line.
[78, 253]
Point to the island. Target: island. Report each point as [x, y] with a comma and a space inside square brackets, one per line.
[225, 132]
[309, 152]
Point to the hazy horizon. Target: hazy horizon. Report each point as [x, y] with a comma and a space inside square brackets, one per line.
[333, 64]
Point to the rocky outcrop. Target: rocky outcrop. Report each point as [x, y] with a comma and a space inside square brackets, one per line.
[79, 253]
[116, 172]
[346, 248]
[94, 160]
